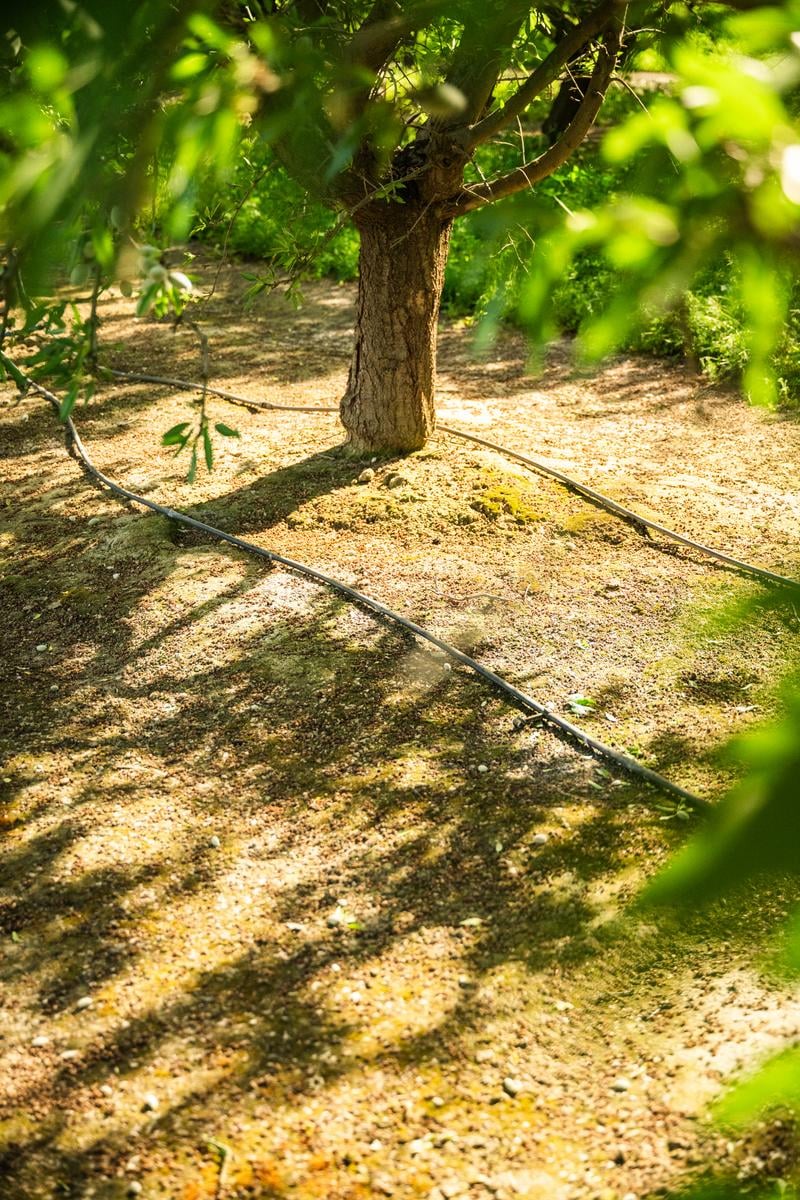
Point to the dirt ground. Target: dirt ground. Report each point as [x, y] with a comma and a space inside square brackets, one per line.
[288, 908]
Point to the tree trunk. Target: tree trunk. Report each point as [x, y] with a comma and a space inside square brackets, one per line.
[389, 402]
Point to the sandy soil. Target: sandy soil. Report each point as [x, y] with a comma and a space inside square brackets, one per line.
[277, 916]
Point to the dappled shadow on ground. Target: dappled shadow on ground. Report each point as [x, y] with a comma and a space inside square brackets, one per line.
[370, 907]
[322, 896]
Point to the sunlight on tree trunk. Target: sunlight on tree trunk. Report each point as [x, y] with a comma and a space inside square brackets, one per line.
[389, 401]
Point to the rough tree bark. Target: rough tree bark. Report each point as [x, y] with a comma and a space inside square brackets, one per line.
[389, 401]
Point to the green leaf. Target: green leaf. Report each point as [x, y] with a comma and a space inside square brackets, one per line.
[192, 474]
[189, 66]
[206, 30]
[68, 403]
[176, 435]
[146, 299]
[14, 372]
[46, 67]
[776, 1084]
[755, 829]
[226, 430]
[33, 317]
[208, 449]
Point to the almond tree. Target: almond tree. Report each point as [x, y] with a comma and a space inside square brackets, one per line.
[408, 142]
[385, 111]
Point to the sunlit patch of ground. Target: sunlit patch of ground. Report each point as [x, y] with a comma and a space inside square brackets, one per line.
[290, 909]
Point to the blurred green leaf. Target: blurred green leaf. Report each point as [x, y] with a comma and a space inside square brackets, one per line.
[176, 436]
[776, 1084]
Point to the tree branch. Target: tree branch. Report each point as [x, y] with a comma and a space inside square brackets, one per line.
[377, 39]
[548, 70]
[480, 55]
[539, 168]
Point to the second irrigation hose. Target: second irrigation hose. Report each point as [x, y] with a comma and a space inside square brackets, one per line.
[519, 698]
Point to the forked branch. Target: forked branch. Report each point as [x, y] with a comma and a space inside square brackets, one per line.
[548, 70]
[539, 168]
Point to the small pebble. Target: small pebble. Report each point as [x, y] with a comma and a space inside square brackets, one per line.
[366, 475]
[214, 842]
[376, 1144]
[437, 1101]
[295, 926]
[67, 1055]
[134, 1188]
[620, 1085]
[512, 1087]
[452, 1187]
[40, 649]
[613, 585]
[41, 1040]
[150, 1102]
[539, 839]
[85, 1002]
[106, 1089]
[396, 481]
[482, 767]
[484, 1056]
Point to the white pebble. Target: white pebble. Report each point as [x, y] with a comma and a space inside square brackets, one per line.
[106, 1089]
[366, 476]
[620, 1085]
[512, 1087]
[540, 839]
[40, 649]
[41, 1040]
[85, 1002]
[134, 1188]
[214, 842]
[482, 767]
[150, 1102]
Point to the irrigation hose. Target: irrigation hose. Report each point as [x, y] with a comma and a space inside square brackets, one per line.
[582, 489]
[520, 699]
